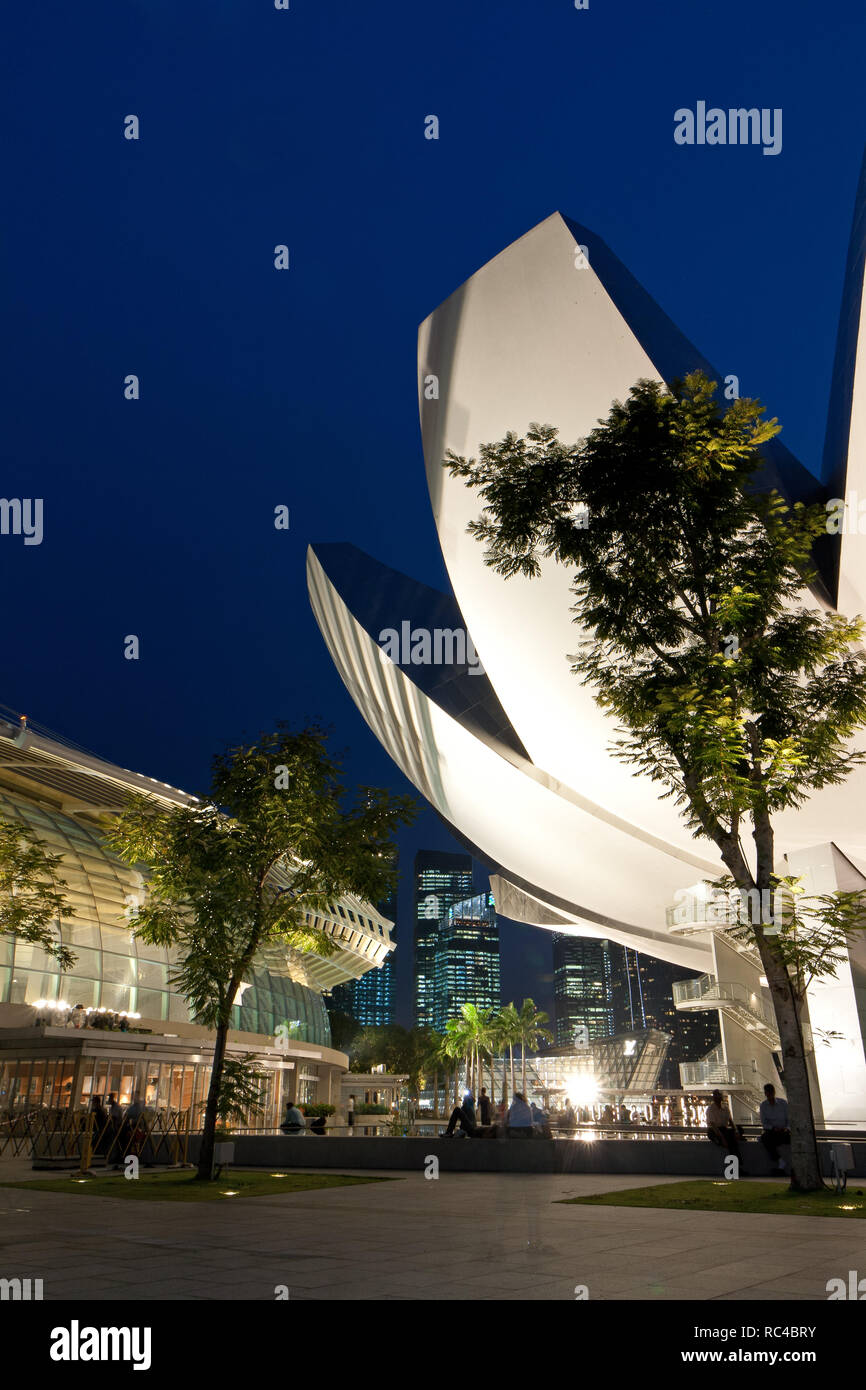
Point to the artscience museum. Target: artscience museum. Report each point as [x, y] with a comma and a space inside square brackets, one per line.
[516, 757]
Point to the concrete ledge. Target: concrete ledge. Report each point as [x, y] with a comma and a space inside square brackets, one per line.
[674, 1158]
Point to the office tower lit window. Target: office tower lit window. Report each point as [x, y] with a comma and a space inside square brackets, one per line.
[643, 998]
[582, 990]
[370, 999]
[466, 959]
[441, 880]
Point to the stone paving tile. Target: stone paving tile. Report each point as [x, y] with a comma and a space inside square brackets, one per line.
[395, 1240]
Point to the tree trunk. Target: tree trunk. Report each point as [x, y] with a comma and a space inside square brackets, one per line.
[208, 1138]
[805, 1165]
[523, 1067]
[504, 1078]
[511, 1060]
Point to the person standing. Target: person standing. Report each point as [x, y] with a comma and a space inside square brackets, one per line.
[485, 1107]
[350, 1113]
[774, 1120]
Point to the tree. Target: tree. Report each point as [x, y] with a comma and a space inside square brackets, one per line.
[32, 898]
[508, 1034]
[344, 1030]
[436, 1060]
[248, 866]
[456, 1045]
[730, 691]
[531, 1031]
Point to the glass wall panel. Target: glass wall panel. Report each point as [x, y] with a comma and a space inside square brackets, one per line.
[151, 1003]
[117, 997]
[88, 962]
[77, 991]
[178, 1009]
[77, 933]
[29, 985]
[152, 974]
[118, 969]
[29, 957]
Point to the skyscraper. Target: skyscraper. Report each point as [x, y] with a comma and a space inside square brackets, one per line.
[442, 879]
[466, 959]
[369, 1000]
[582, 990]
[643, 998]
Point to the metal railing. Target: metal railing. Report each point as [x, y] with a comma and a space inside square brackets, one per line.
[747, 1006]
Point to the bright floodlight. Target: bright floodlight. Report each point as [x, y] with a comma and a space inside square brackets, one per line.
[583, 1090]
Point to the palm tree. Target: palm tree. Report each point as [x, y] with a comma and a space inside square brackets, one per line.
[456, 1045]
[433, 1058]
[476, 1027]
[508, 1029]
[488, 1043]
[530, 1022]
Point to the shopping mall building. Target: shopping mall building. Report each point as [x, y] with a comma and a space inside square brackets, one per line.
[61, 794]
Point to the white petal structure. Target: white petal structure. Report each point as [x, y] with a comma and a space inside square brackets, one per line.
[517, 758]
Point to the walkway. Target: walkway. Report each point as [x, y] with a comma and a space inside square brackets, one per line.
[463, 1236]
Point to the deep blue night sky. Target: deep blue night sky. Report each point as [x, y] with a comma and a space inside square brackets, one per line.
[306, 127]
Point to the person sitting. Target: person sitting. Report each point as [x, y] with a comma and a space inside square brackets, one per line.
[540, 1121]
[720, 1126]
[774, 1120]
[464, 1116]
[519, 1123]
[317, 1125]
[294, 1121]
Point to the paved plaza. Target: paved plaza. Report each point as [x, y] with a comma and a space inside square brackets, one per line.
[463, 1236]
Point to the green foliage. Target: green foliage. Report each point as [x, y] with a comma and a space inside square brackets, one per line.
[344, 1030]
[240, 1091]
[32, 898]
[367, 1107]
[688, 584]
[319, 1109]
[810, 932]
[248, 865]
[730, 687]
[401, 1050]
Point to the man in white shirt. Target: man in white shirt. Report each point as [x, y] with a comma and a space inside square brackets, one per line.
[774, 1119]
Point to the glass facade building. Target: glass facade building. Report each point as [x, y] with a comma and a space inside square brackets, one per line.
[582, 990]
[370, 1000]
[113, 970]
[441, 879]
[643, 997]
[466, 966]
